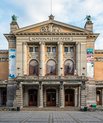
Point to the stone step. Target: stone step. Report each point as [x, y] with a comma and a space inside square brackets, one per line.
[50, 109]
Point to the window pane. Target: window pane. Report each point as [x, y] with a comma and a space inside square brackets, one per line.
[51, 67]
[53, 49]
[71, 49]
[48, 49]
[30, 49]
[68, 67]
[33, 67]
[36, 49]
[65, 49]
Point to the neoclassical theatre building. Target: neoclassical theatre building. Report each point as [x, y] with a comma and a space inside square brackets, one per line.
[51, 64]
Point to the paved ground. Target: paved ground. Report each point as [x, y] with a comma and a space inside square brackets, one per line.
[51, 117]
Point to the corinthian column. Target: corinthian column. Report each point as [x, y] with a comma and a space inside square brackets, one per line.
[42, 59]
[60, 58]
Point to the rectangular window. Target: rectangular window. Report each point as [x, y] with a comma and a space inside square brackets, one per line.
[71, 49]
[36, 49]
[65, 49]
[53, 49]
[48, 49]
[30, 49]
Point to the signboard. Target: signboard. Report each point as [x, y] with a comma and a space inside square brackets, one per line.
[90, 63]
[12, 63]
[55, 39]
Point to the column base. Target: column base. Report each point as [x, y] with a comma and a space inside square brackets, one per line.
[61, 106]
[40, 106]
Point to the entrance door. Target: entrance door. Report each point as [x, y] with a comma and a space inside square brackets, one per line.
[69, 97]
[99, 97]
[33, 97]
[3, 96]
[51, 97]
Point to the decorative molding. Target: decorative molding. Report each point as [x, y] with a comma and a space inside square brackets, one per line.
[50, 28]
[98, 59]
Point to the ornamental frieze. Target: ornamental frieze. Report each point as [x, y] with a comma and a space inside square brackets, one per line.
[50, 28]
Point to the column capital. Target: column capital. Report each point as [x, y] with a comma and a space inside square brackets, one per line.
[42, 42]
[24, 43]
[60, 43]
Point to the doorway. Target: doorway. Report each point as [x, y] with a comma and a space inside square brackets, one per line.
[3, 94]
[51, 97]
[99, 97]
[33, 94]
[69, 97]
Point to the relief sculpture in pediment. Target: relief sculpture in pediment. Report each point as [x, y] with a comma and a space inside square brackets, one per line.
[50, 28]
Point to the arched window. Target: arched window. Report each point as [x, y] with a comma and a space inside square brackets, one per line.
[33, 67]
[51, 67]
[68, 67]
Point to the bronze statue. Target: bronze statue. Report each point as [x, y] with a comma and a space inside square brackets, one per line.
[14, 18]
[88, 18]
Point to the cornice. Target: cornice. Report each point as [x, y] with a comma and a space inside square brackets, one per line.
[60, 33]
[9, 36]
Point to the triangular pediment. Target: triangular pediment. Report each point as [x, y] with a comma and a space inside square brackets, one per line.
[50, 26]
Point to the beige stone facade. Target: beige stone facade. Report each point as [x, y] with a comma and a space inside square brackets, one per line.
[52, 64]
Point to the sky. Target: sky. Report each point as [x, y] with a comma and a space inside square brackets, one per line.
[72, 12]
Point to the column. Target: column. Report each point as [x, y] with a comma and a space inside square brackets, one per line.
[61, 95]
[40, 95]
[76, 97]
[79, 97]
[25, 58]
[21, 92]
[60, 58]
[102, 97]
[42, 58]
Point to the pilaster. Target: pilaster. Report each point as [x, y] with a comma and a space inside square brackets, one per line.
[78, 57]
[25, 58]
[19, 59]
[60, 58]
[42, 58]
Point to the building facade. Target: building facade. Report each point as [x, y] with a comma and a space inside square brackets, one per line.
[99, 76]
[4, 71]
[51, 64]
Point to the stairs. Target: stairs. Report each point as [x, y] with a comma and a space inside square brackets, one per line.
[50, 109]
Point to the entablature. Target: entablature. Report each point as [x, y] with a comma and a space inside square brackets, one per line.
[51, 78]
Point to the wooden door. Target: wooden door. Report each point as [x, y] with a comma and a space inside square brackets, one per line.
[51, 97]
[69, 97]
[33, 97]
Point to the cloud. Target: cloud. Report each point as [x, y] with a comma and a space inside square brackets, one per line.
[67, 11]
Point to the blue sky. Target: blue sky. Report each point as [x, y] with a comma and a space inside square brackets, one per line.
[68, 11]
